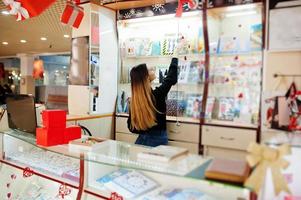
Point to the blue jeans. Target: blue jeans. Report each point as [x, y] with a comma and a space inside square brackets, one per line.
[153, 138]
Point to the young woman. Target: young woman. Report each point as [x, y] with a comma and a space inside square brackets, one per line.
[148, 107]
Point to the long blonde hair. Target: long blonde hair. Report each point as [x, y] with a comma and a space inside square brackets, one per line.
[143, 111]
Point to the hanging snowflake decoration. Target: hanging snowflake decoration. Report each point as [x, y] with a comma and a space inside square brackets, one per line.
[127, 15]
[133, 11]
[158, 7]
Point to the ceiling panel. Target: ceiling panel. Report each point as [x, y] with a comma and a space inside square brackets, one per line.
[46, 25]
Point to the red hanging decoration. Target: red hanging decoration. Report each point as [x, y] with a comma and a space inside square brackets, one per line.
[64, 190]
[38, 69]
[24, 9]
[72, 15]
[27, 172]
[191, 5]
[115, 196]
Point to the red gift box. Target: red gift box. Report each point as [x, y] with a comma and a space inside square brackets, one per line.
[50, 136]
[54, 118]
[72, 15]
[72, 133]
[27, 8]
[81, 1]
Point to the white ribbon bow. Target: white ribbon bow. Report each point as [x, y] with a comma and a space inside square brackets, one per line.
[16, 9]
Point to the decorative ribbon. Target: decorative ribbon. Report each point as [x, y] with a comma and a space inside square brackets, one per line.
[17, 9]
[191, 4]
[263, 158]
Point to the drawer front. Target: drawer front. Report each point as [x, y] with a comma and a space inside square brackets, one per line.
[126, 137]
[192, 147]
[183, 132]
[217, 152]
[233, 138]
[121, 125]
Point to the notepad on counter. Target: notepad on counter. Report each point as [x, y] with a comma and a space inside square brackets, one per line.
[128, 183]
[86, 144]
[170, 193]
[235, 171]
[162, 153]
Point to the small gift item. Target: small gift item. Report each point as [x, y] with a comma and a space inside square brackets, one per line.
[25, 9]
[72, 15]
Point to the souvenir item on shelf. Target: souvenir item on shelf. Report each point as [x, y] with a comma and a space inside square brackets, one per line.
[233, 44]
[128, 183]
[183, 70]
[156, 48]
[162, 153]
[72, 14]
[227, 45]
[196, 72]
[235, 171]
[130, 47]
[223, 108]
[194, 105]
[175, 103]
[168, 45]
[209, 107]
[256, 37]
[183, 46]
[175, 107]
[200, 42]
[144, 47]
[177, 193]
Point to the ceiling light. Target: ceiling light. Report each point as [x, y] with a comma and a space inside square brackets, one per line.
[64, 67]
[240, 13]
[5, 43]
[43, 38]
[23, 41]
[5, 12]
[66, 36]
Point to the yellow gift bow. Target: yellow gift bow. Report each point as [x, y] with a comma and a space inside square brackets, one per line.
[264, 157]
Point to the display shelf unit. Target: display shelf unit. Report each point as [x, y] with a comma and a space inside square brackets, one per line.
[98, 167]
[227, 87]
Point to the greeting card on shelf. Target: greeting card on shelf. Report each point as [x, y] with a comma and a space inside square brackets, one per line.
[128, 183]
[184, 68]
[223, 108]
[194, 105]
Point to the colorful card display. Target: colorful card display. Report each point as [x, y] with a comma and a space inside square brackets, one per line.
[128, 183]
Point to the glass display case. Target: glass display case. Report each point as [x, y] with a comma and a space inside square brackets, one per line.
[153, 35]
[236, 59]
[113, 169]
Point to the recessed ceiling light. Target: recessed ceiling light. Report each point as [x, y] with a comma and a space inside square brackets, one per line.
[66, 36]
[23, 41]
[5, 12]
[5, 43]
[43, 38]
